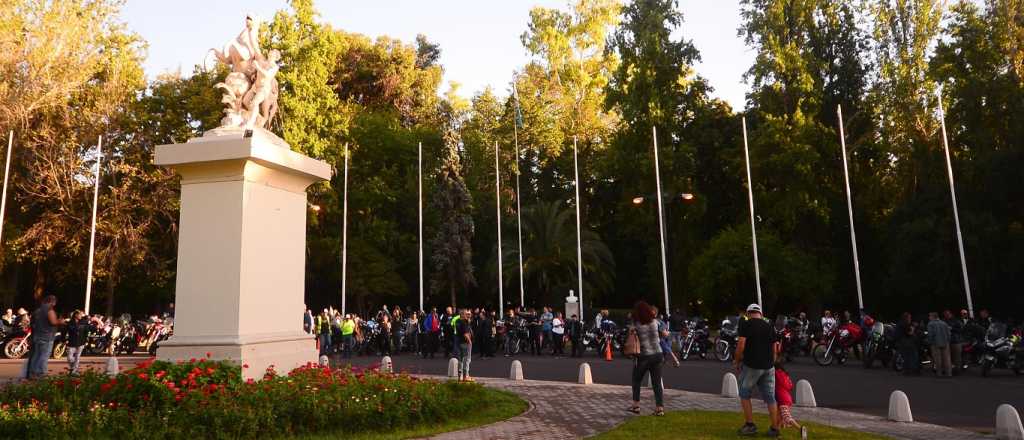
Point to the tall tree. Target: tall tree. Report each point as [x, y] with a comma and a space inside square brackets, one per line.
[453, 243]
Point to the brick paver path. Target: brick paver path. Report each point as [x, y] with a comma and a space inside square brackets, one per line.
[564, 410]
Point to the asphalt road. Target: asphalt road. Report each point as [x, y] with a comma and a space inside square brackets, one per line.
[967, 402]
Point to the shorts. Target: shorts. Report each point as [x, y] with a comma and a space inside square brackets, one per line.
[764, 380]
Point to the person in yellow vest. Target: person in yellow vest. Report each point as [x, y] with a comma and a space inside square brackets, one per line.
[456, 340]
[348, 331]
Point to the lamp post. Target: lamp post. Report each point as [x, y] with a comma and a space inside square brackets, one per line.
[344, 236]
[956, 210]
[92, 233]
[639, 200]
[753, 228]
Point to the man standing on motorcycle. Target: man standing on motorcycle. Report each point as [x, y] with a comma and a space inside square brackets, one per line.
[44, 329]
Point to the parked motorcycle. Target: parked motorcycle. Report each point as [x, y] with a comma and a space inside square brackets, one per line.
[787, 331]
[695, 340]
[834, 346]
[18, 346]
[1000, 351]
[725, 344]
[880, 345]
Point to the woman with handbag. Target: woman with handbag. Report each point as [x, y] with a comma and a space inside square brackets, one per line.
[644, 345]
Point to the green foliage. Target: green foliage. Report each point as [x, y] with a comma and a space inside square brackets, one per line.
[712, 425]
[452, 255]
[205, 399]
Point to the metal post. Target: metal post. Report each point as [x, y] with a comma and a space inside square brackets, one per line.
[7, 173]
[956, 211]
[661, 222]
[344, 236]
[849, 208]
[579, 234]
[420, 208]
[497, 204]
[753, 228]
[519, 206]
[92, 234]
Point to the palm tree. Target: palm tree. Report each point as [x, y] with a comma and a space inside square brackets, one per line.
[549, 256]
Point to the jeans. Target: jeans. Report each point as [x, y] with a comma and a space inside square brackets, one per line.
[465, 357]
[74, 353]
[325, 343]
[764, 380]
[648, 364]
[347, 341]
[40, 357]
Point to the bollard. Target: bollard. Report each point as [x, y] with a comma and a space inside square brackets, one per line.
[453, 368]
[805, 394]
[730, 388]
[1008, 426]
[517, 371]
[385, 365]
[112, 367]
[647, 381]
[585, 377]
[324, 361]
[899, 407]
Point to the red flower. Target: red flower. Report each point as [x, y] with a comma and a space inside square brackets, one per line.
[192, 360]
[170, 385]
[244, 366]
[143, 376]
[210, 371]
[208, 355]
[160, 374]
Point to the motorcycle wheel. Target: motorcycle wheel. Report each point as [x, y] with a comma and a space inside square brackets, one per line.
[986, 367]
[59, 350]
[152, 348]
[14, 349]
[722, 351]
[821, 356]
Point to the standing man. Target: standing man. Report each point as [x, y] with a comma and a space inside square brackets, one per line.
[348, 333]
[956, 341]
[307, 322]
[464, 334]
[432, 325]
[575, 330]
[446, 332]
[938, 337]
[754, 364]
[44, 324]
[546, 318]
[77, 330]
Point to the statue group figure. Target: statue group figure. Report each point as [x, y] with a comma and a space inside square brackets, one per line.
[250, 89]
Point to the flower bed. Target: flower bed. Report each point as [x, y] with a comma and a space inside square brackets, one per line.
[207, 399]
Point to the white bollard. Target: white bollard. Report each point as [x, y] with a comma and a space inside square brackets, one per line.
[112, 367]
[585, 377]
[805, 394]
[899, 407]
[647, 381]
[385, 365]
[517, 371]
[730, 388]
[453, 368]
[324, 361]
[1008, 426]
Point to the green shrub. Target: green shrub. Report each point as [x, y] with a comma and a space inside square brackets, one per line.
[207, 399]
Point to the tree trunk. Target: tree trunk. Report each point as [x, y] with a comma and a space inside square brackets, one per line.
[110, 296]
[451, 289]
[40, 282]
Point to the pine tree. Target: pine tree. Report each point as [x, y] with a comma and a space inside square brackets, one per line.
[452, 245]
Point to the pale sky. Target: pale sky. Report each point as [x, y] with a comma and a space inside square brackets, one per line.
[479, 38]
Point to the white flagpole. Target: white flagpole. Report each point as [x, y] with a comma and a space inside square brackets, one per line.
[753, 228]
[92, 234]
[956, 211]
[344, 235]
[849, 208]
[420, 205]
[497, 204]
[519, 206]
[579, 234]
[7, 173]
[661, 221]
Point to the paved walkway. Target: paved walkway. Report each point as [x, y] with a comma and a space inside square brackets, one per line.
[585, 410]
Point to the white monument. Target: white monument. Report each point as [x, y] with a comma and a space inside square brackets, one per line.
[242, 241]
[572, 305]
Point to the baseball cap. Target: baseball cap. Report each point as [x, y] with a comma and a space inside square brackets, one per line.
[754, 308]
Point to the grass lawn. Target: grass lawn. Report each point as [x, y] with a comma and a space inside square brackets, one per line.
[492, 406]
[708, 425]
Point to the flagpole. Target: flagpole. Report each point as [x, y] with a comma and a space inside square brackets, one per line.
[661, 221]
[420, 208]
[519, 206]
[956, 211]
[497, 204]
[753, 228]
[849, 208]
[7, 173]
[92, 234]
[344, 236]
[579, 240]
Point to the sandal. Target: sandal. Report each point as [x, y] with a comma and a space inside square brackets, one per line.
[659, 413]
[634, 410]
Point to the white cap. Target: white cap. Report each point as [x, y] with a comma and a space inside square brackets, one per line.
[754, 308]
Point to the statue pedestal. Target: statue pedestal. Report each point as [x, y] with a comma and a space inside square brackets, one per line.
[241, 251]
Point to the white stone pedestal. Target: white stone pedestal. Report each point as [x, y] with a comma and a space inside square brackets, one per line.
[241, 251]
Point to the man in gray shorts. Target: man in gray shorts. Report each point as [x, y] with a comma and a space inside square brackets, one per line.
[754, 363]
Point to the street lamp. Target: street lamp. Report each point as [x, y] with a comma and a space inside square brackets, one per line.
[686, 197]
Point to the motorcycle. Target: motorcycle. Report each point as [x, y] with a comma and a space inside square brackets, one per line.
[787, 331]
[1000, 351]
[725, 344]
[695, 340]
[834, 346]
[879, 345]
[517, 337]
[161, 330]
[18, 346]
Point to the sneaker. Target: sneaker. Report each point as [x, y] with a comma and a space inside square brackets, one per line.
[773, 433]
[748, 429]
[803, 433]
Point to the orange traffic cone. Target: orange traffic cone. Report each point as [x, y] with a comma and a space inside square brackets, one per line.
[608, 351]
